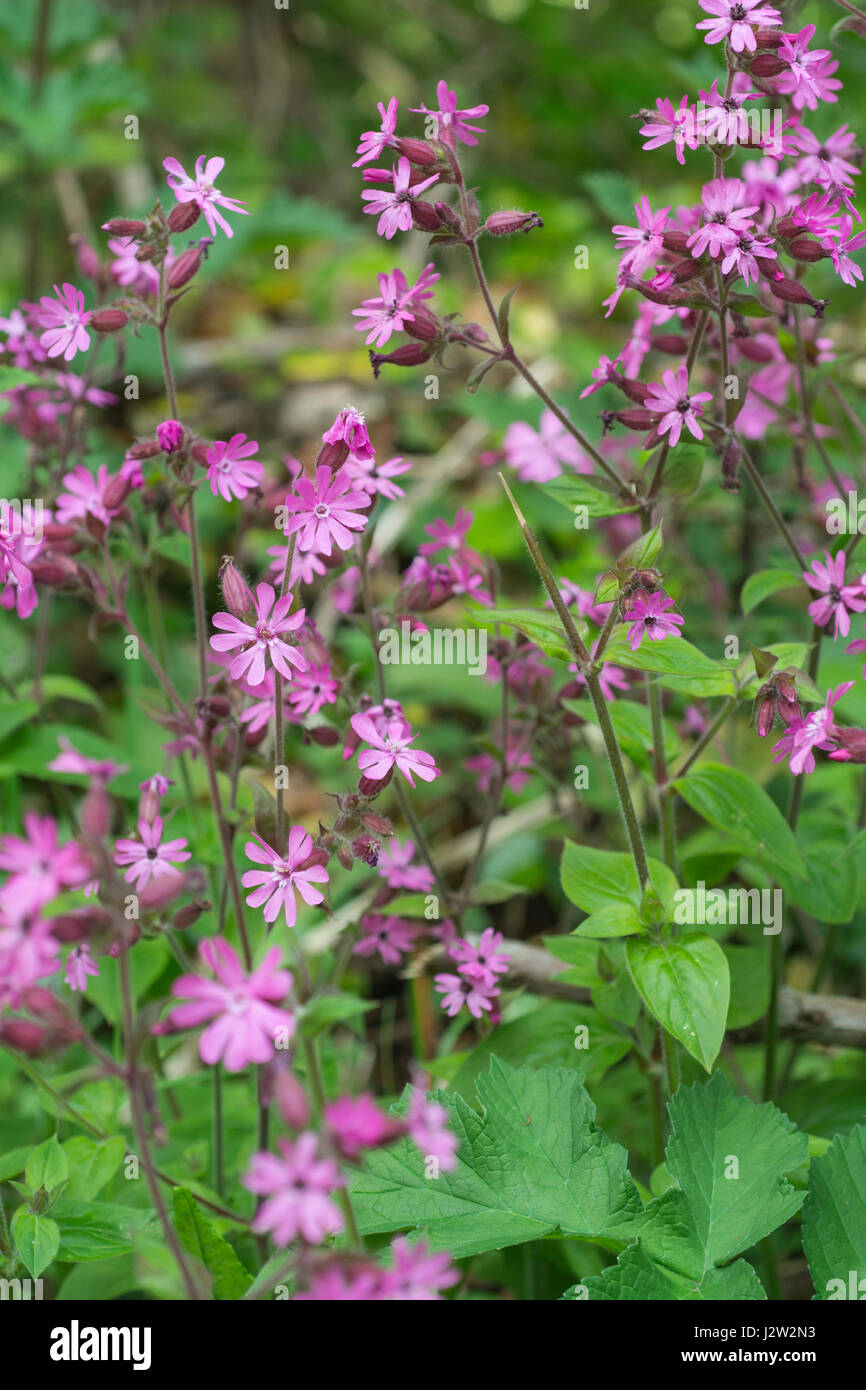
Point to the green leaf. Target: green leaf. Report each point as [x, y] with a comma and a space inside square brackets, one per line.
[631, 724]
[96, 1230]
[324, 1010]
[546, 1036]
[595, 494]
[614, 919]
[496, 890]
[47, 1166]
[834, 1217]
[594, 878]
[750, 984]
[679, 665]
[15, 713]
[13, 1162]
[728, 1158]
[230, 1279]
[532, 1163]
[147, 963]
[830, 889]
[643, 552]
[765, 583]
[61, 687]
[542, 628]
[683, 471]
[92, 1164]
[36, 1240]
[735, 805]
[581, 956]
[685, 983]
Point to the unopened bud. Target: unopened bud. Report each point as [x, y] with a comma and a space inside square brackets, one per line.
[23, 1035]
[678, 242]
[371, 786]
[423, 325]
[803, 248]
[107, 320]
[730, 467]
[407, 355]
[88, 260]
[124, 226]
[424, 215]
[318, 856]
[632, 419]
[417, 152]
[324, 735]
[95, 812]
[332, 456]
[505, 223]
[187, 916]
[148, 449]
[793, 292]
[237, 595]
[169, 434]
[291, 1098]
[117, 490]
[672, 343]
[380, 825]
[184, 268]
[183, 216]
[57, 573]
[765, 65]
[448, 217]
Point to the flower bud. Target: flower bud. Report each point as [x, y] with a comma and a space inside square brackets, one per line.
[148, 449]
[290, 1097]
[187, 916]
[803, 248]
[730, 466]
[423, 325]
[417, 152]
[769, 38]
[686, 270]
[765, 65]
[678, 242]
[424, 216]
[793, 292]
[169, 433]
[504, 223]
[673, 343]
[145, 253]
[636, 391]
[117, 490]
[407, 355]
[325, 735]
[184, 268]
[332, 456]
[318, 856]
[449, 218]
[124, 226]
[632, 419]
[95, 812]
[756, 352]
[107, 320]
[88, 260]
[379, 825]
[344, 855]
[237, 596]
[183, 216]
[23, 1035]
[370, 786]
[162, 891]
[58, 572]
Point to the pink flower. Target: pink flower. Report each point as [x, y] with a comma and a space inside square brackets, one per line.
[848, 269]
[669, 125]
[147, 857]
[357, 1123]
[350, 429]
[169, 436]
[418, 1275]
[373, 142]
[201, 190]
[390, 936]
[310, 690]
[231, 469]
[488, 767]
[245, 1022]
[260, 639]
[538, 455]
[735, 19]
[742, 255]
[64, 320]
[451, 121]
[84, 496]
[394, 208]
[837, 599]
[824, 161]
[484, 961]
[671, 397]
[275, 885]
[649, 616]
[457, 990]
[818, 730]
[337, 1285]
[376, 478]
[326, 511]
[398, 871]
[79, 964]
[40, 866]
[804, 67]
[391, 309]
[602, 374]
[724, 219]
[427, 1121]
[447, 534]
[70, 760]
[643, 243]
[28, 951]
[296, 1186]
[391, 749]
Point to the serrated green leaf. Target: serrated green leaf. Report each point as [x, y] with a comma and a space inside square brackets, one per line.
[834, 1217]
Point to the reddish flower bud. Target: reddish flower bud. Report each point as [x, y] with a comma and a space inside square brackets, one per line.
[793, 292]
[124, 226]
[344, 855]
[58, 572]
[148, 449]
[756, 352]
[730, 466]
[765, 65]
[769, 38]
[407, 355]
[187, 916]
[23, 1035]
[95, 812]
[505, 223]
[145, 253]
[324, 735]
[183, 216]
[369, 786]
[380, 825]
[317, 856]
[88, 260]
[161, 891]
[686, 270]
[803, 248]
[108, 320]
[291, 1098]
[449, 218]
[332, 456]
[424, 325]
[237, 596]
[632, 419]
[674, 343]
[636, 391]
[787, 227]
[424, 216]
[417, 152]
[184, 268]
[117, 490]
[169, 434]
[676, 242]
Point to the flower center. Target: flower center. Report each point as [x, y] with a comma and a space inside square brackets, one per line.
[322, 510]
[152, 854]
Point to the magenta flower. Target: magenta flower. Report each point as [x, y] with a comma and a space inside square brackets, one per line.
[837, 599]
[84, 496]
[245, 1022]
[724, 219]
[373, 142]
[819, 214]
[539, 455]
[391, 309]
[357, 1123]
[390, 936]
[451, 122]
[201, 190]
[447, 534]
[40, 866]
[79, 964]
[735, 19]
[823, 161]
[459, 990]
[147, 857]
[418, 1275]
[429, 1132]
[169, 436]
[398, 871]
[296, 1187]
[394, 207]
[802, 80]
[484, 961]
[70, 760]
[376, 479]
[742, 255]
[643, 243]
[231, 469]
[326, 511]
[391, 749]
[650, 617]
[64, 320]
[672, 125]
[262, 638]
[846, 268]
[817, 730]
[311, 689]
[275, 885]
[671, 397]
[350, 429]
[28, 951]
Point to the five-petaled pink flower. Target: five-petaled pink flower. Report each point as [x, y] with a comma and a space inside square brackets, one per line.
[79, 964]
[260, 639]
[147, 857]
[650, 617]
[643, 243]
[296, 1186]
[390, 749]
[836, 598]
[373, 142]
[671, 397]
[389, 936]
[274, 886]
[394, 206]
[64, 320]
[232, 470]
[326, 511]
[817, 730]
[391, 309]
[450, 120]
[246, 1024]
[734, 19]
[725, 220]
[201, 190]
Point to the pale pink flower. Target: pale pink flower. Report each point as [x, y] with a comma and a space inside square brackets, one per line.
[70, 760]
[84, 496]
[447, 534]
[537, 456]
[147, 857]
[231, 469]
[735, 19]
[650, 617]
[818, 730]
[261, 639]
[245, 1023]
[275, 885]
[396, 868]
[643, 243]
[429, 1132]
[28, 951]
[40, 866]
[460, 990]
[801, 79]
[64, 320]
[671, 398]
[742, 254]
[823, 161]
[846, 268]
[450, 120]
[296, 1186]
[201, 190]
[391, 937]
[79, 964]
[394, 207]
[373, 142]
[377, 478]
[327, 511]
[486, 958]
[418, 1275]
[390, 749]
[724, 218]
[670, 125]
[388, 312]
[357, 1123]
